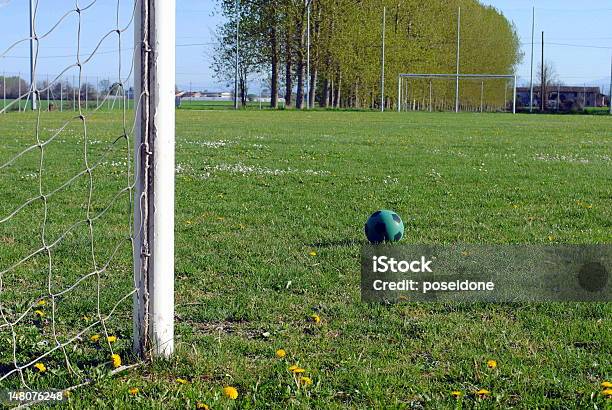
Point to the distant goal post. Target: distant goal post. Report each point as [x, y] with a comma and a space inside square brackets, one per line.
[406, 100]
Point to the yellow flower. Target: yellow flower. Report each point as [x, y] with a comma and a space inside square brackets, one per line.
[230, 392]
[42, 302]
[606, 385]
[39, 313]
[456, 394]
[312, 253]
[307, 381]
[483, 392]
[298, 370]
[86, 318]
[40, 367]
[181, 381]
[607, 392]
[551, 238]
[280, 353]
[491, 364]
[203, 406]
[133, 391]
[111, 339]
[116, 360]
[315, 318]
[95, 338]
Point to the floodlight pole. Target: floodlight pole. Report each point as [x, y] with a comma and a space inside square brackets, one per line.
[543, 81]
[154, 153]
[237, 54]
[32, 56]
[382, 68]
[532, 44]
[308, 54]
[458, 58]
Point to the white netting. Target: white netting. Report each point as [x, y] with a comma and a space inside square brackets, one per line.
[66, 213]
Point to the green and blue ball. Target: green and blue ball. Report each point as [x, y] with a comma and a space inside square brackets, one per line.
[384, 226]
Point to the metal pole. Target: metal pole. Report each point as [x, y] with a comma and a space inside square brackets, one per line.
[482, 97]
[308, 55]
[4, 92]
[543, 81]
[154, 81]
[584, 101]
[382, 66]
[532, 44]
[514, 97]
[399, 94]
[430, 96]
[86, 94]
[558, 97]
[32, 56]
[237, 54]
[458, 58]
[61, 96]
[48, 94]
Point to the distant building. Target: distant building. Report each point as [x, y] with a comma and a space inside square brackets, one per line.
[565, 95]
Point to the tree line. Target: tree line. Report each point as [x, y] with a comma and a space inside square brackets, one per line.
[346, 47]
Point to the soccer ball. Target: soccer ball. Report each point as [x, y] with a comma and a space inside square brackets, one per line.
[384, 226]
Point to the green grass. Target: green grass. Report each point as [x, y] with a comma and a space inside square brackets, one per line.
[257, 192]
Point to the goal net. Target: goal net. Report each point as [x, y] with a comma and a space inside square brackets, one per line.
[452, 92]
[86, 231]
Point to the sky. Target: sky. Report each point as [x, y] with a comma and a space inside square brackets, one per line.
[578, 39]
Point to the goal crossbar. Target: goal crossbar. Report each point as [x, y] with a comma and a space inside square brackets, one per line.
[457, 77]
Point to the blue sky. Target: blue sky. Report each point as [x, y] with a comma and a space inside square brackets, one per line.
[578, 37]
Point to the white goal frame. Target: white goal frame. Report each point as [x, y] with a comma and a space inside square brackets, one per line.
[154, 134]
[457, 77]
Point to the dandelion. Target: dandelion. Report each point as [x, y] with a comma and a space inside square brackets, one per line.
[607, 392]
[111, 339]
[94, 338]
[133, 391]
[182, 381]
[86, 318]
[230, 392]
[298, 370]
[315, 318]
[39, 313]
[456, 394]
[280, 353]
[551, 238]
[606, 385]
[40, 367]
[491, 364]
[312, 253]
[42, 302]
[482, 392]
[306, 381]
[116, 360]
[292, 368]
[203, 406]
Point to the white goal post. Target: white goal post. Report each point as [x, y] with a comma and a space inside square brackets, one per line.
[456, 77]
[154, 91]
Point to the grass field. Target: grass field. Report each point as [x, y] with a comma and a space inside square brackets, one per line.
[270, 212]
